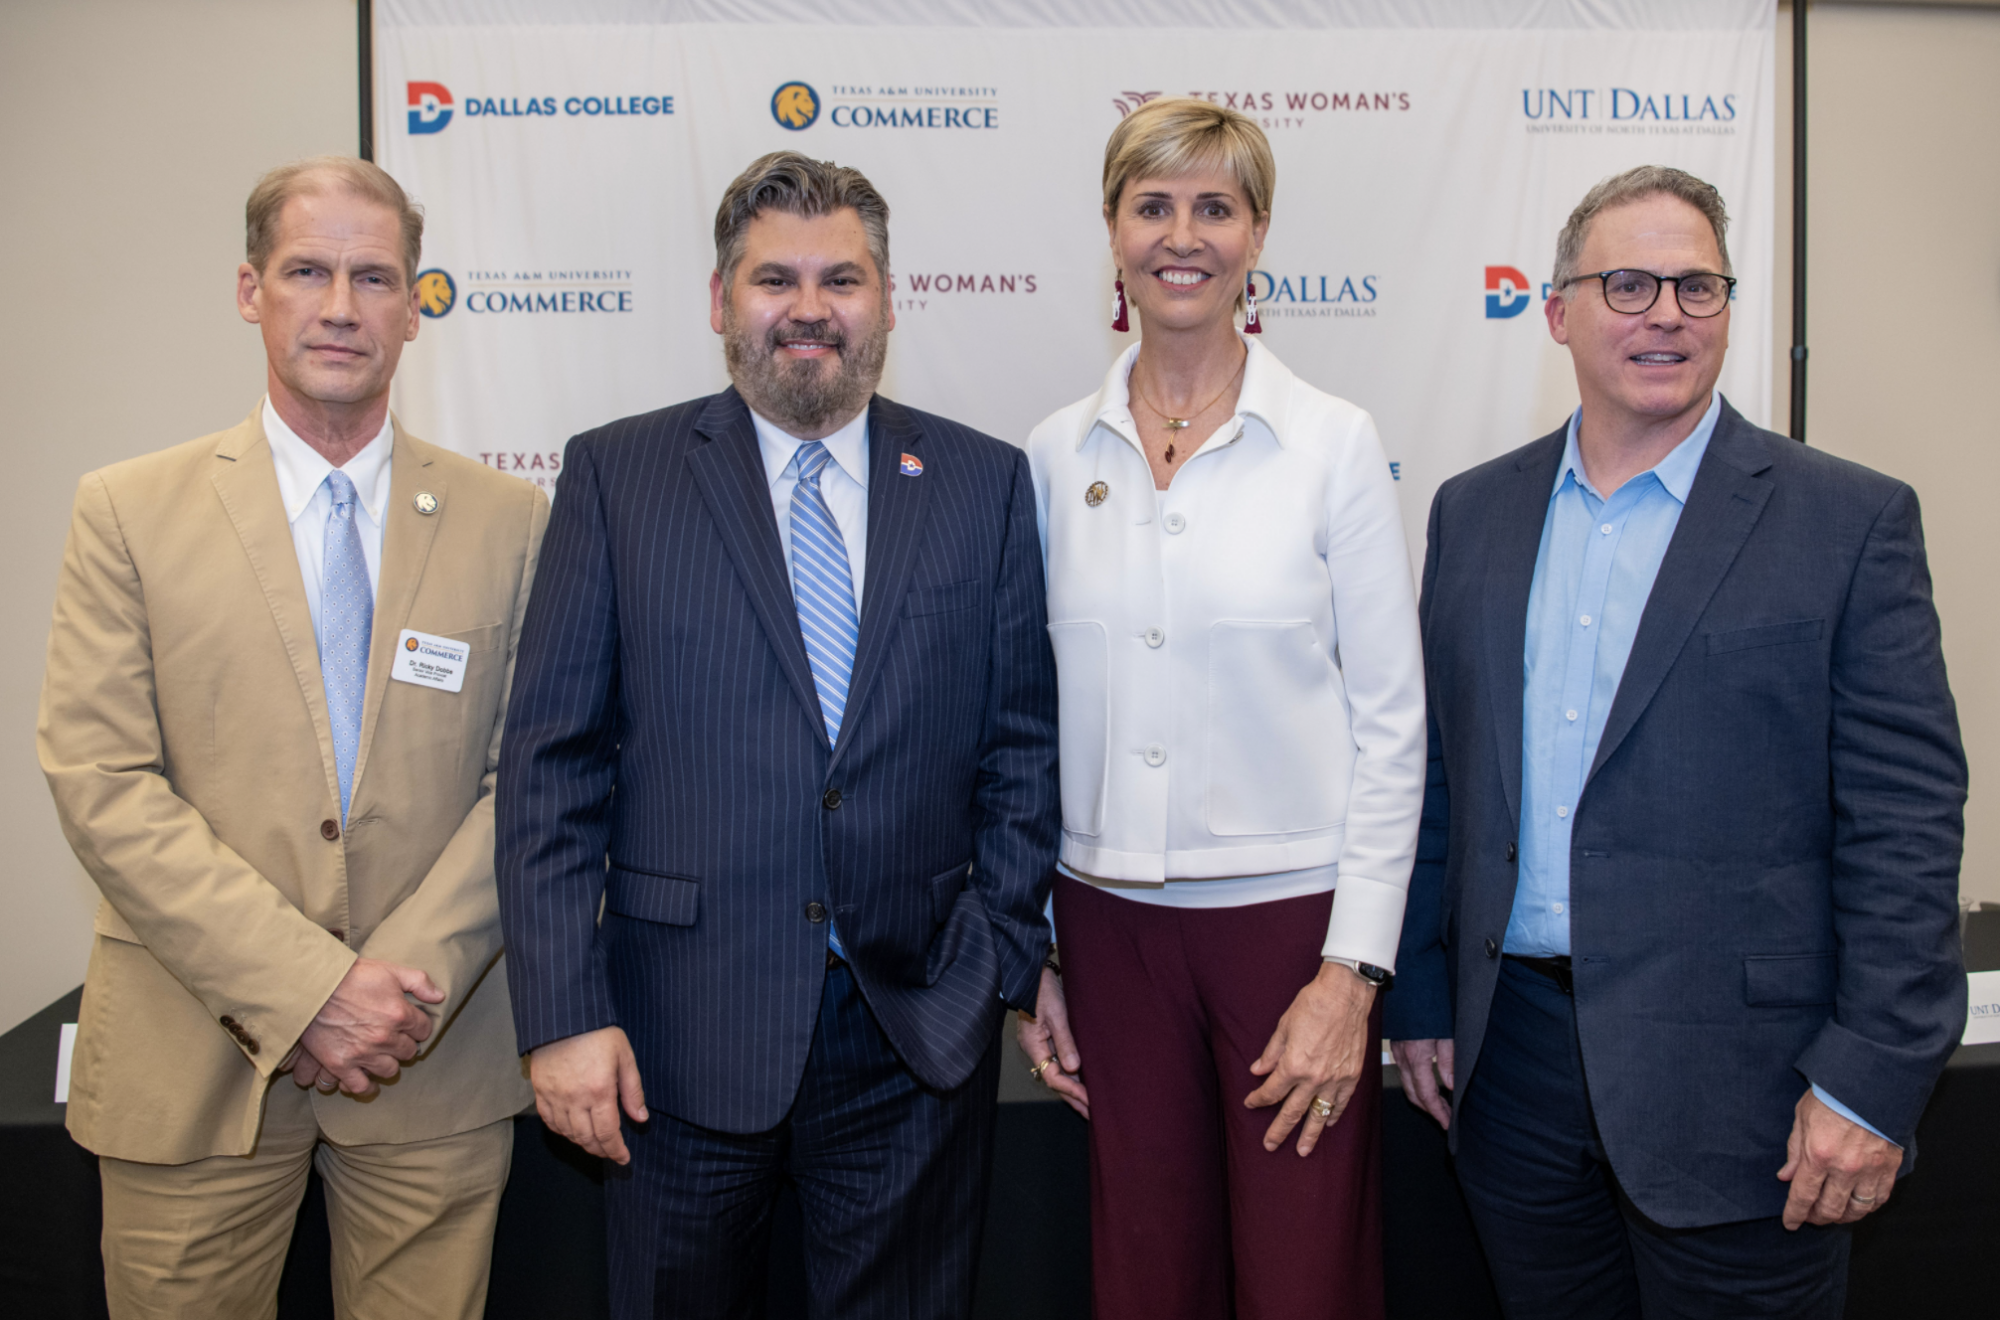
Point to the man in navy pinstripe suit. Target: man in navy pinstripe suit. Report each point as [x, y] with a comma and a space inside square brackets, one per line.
[785, 707]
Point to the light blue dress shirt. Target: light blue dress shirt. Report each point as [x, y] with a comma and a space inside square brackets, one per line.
[1593, 576]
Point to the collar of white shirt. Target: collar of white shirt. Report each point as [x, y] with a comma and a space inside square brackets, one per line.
[848, 446]
[1675, 472]
[1267, 388]
[302, 469]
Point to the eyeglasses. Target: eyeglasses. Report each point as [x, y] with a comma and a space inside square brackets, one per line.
[1700, 294]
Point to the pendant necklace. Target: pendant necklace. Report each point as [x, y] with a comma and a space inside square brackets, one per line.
[1179, 424]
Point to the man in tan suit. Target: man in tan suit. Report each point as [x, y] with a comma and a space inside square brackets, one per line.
[271, 719]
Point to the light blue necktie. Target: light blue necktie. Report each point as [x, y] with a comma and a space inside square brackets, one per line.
[823, 584]
[346, 616]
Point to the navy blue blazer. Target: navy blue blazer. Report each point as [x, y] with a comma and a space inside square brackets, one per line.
[665, 753]
[1764, 860]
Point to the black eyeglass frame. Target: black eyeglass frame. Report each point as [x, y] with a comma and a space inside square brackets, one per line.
[1603, 277]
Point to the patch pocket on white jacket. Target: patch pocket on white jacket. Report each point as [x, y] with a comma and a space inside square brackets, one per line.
[1083, 681]
[1280, 754]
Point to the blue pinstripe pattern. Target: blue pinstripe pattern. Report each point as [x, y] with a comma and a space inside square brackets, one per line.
[667, 756]
[891, 1177]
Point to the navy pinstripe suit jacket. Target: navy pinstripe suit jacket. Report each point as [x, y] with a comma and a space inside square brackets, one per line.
[665, 753]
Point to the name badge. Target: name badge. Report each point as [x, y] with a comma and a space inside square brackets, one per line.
[430, 661]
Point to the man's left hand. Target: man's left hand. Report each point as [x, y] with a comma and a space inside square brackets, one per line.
[1839, 1170]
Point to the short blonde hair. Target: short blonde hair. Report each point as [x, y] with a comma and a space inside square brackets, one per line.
[1176, 136]
[316, 174]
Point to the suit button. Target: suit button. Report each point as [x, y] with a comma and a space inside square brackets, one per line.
[1492, 949]
[832, 800]
[337, 933]
[230, 1023]
[1510, 852]
[329, 830]
[815, 912]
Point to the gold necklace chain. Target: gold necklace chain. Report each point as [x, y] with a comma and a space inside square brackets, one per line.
[1177, 424]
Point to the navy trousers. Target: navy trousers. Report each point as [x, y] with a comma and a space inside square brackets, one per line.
[891, 1180]
[1560, 1238]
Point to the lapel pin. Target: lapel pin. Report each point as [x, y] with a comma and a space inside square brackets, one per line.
[1096, 493]
[912, 466]
[426, 503]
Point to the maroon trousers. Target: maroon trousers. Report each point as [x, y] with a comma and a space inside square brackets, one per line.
[1190, 1216]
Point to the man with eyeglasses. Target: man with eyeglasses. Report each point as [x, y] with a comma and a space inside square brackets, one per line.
[1680, 964]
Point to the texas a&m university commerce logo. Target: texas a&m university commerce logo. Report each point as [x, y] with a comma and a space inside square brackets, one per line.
[795, 106]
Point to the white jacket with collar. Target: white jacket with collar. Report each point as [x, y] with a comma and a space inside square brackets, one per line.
[1241, 678]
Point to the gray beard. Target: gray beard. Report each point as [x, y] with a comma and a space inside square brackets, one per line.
[803, 397]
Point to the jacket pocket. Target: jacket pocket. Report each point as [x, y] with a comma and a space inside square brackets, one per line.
[1788, 980]
[945, 889]
[671, 900]
[942, 600]
[1083, 685]
[1280, 754]
[1768, 634]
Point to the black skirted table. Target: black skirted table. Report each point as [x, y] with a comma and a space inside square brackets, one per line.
[1925, 1253]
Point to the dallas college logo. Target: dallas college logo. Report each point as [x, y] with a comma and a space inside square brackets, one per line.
[1506, 293]
[795, 106]
[430, 107]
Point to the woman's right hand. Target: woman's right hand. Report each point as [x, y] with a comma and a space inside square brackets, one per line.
[1045, 1033]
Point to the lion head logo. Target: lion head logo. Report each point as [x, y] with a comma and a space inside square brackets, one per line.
[409, 643]
[795, 106]
[436, 294]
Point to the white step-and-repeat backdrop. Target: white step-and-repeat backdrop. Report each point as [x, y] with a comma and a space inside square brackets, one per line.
[570, 156]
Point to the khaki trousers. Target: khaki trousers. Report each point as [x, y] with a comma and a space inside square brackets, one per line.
[412, 1223]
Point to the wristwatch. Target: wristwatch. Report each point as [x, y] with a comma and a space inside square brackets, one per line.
[1368, 972]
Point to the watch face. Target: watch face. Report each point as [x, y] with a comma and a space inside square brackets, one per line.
[1370, 972]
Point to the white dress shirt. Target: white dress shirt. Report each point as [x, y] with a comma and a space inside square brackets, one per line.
[308, 503]
[844, 484]
[1241, 681]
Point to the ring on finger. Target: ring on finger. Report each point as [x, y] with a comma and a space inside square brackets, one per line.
[1322, 1107]
[1859, 1199]
[1037, 1071]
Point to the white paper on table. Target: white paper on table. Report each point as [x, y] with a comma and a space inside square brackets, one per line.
[65, 1046]
[1982, 1010]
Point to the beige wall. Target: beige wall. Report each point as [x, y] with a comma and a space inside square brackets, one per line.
[1903, 309]
[133, 131]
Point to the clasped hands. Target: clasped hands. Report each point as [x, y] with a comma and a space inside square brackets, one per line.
[1316, 1053]
[1839, 1171]
[367, 1029]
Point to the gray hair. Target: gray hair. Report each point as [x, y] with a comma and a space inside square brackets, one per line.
[312, 176]
[1632, 186]
[798, 185]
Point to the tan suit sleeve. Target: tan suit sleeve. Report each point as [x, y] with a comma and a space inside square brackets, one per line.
[223, 930]
[450, 926]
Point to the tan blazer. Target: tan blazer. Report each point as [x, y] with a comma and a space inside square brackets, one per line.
[184, 733]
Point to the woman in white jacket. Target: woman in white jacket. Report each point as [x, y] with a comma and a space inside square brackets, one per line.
[1242, 767]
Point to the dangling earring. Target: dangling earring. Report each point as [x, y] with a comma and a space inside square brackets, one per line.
[1118, 321]
[1251, 325]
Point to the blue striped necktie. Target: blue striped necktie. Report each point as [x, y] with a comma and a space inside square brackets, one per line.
[346, 616]
[824, 587]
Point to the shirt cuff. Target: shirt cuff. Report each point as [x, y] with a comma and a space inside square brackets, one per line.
[1850, 1115]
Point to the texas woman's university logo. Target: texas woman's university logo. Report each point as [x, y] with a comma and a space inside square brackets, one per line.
[436, 293]
[795, 106]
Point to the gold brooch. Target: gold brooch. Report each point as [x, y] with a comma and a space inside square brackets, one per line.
[1095, 493]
